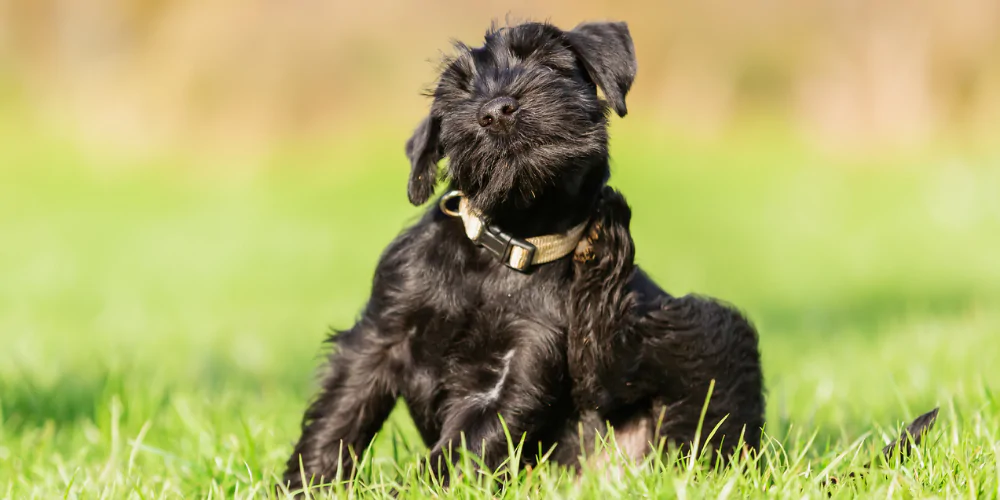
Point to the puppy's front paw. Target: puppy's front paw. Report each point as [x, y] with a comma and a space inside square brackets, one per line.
[608, 235]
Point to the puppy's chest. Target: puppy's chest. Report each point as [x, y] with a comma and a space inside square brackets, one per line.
[498, 321]
[505, 324]
[484, 359]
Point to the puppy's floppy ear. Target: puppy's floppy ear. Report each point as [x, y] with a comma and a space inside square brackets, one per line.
[424, 151]
[606, 51]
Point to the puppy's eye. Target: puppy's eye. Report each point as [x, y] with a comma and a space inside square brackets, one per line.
[563, 64]
[464, 83]
[562, 71]
[459, 75]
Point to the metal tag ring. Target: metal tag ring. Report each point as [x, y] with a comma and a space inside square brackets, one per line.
[443, 203]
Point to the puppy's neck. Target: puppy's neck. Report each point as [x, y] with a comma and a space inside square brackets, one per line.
[560, 207]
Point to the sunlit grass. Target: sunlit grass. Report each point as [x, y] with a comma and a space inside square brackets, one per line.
[159, 327]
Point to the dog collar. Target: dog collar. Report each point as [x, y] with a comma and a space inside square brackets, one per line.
[516, 253]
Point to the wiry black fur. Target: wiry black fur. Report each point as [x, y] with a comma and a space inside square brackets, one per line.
[463, 339]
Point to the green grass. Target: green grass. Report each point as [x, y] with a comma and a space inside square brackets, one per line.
[159, 327]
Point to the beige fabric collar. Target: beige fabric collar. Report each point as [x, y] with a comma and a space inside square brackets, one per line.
[516, 253]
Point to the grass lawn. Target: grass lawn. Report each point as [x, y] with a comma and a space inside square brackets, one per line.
[159, 327]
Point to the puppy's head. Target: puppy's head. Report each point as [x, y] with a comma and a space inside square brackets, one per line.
[515, 115]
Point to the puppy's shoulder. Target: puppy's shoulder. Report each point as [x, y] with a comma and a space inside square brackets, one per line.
[426, 266]
[433, 232]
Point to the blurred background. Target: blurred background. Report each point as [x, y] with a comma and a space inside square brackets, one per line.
[192, 193]
[237, 74]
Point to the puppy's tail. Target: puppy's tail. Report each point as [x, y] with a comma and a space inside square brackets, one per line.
[910, 437]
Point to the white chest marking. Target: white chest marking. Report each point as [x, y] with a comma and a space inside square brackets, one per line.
[493, 394]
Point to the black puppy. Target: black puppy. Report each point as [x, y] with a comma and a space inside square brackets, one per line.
[488, 315]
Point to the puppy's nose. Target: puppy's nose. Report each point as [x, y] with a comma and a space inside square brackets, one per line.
[499, 114]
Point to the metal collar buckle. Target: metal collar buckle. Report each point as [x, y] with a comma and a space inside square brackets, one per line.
[515, 253]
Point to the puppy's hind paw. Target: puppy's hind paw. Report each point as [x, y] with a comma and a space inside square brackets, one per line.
[613, 209]
[608, 235]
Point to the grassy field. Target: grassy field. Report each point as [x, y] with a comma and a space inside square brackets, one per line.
[159, 326]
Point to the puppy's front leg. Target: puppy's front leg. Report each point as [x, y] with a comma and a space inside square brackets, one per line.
[483, 436]
[601, 347]
[357, 395]
[526, 393]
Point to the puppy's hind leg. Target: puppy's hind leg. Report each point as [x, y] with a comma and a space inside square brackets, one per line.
[623, 350]
[711, 351]
[601, 341]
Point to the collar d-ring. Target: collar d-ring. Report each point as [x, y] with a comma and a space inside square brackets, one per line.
[447, 199]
